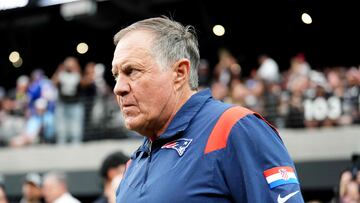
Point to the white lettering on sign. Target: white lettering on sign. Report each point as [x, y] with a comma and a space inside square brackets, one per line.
[320, 108]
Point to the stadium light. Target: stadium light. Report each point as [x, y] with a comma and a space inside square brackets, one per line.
[10, 4]
[54, 2]
[219, 30]
[77, 8]
[82, 48]
[306, 18]
[18, 63]
[14, 57]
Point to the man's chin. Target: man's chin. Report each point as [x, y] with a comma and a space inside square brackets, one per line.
[133, 126]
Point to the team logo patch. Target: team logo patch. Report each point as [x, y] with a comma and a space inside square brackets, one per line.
[280, 176]
[180, 145]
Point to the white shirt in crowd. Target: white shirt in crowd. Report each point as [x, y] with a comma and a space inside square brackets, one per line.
[66, 198]
[269, 70]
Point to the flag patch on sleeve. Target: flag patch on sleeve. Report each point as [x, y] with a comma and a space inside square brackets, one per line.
[281, 175]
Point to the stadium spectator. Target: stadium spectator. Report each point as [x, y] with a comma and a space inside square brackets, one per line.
[256, 89]
[316, 102]
[11, 124]
[220, 91]
[271, 97]
[239, 93]
[88, 96]
[31, 189]
[181, 160]
[55, 188]
[314, 201]
[204, 74]
[2, 95]
[345, 178]
[268, 69]
[103, 94]
[298, 72]
[351, 193]
[70, 110]
[111, 172]
[300, 65]
[13, 110]
[21, 96]
[41, 87]
[39, 127]
[3, 197]
[352, 94]
[227, 68]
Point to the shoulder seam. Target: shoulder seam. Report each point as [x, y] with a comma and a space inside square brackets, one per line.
[220, 133]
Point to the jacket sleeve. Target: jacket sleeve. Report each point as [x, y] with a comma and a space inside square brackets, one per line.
[256, 166]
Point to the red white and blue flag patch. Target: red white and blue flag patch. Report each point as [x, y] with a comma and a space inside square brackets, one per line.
[280, 176]
[180, 145]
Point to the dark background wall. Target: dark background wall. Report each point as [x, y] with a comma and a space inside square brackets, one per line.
[44, 37]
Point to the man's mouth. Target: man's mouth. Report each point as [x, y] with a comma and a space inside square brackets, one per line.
[126, 106]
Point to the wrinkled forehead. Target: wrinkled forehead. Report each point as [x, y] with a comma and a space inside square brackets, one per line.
[137, 37]
[133, 44]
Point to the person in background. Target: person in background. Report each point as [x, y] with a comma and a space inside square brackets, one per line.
[351, 193]
[39, 127]
[88, 96]
[268, 69]
[55, 188]
[204, 74]
[3, 197]
[111, 172]
[41, 87]
[31, 189]
[20, 95]
[11, 124]
[227, 69]
[70, 110]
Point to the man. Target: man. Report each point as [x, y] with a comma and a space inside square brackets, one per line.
[55, 189]
[196, 149]
[111, 171]
[31, 189]
[69, 110]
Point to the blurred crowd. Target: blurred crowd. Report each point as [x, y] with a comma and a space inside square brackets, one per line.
[298, 97]
[74, 103]
[65, 108]
[53, 186]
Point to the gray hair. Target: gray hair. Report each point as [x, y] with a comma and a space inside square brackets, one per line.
[58, 176]
[172, 42]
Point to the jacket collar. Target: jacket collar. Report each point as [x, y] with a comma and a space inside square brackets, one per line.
[179, 123]
[188, 111]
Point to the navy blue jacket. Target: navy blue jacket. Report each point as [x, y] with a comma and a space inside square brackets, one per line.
[212, 152]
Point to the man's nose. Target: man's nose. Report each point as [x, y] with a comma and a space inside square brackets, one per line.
[122, 86]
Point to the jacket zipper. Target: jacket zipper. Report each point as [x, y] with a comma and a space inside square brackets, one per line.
[149, 161]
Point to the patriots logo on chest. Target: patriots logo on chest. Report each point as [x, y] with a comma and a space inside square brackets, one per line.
[180, 145]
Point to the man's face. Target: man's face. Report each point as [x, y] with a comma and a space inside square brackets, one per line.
[30, 191]
[144, 90]
[52, 190]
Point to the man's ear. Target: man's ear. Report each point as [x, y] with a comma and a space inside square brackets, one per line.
[181, 72]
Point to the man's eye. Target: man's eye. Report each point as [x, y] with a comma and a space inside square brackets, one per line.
[129, 71]
[115, 76]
